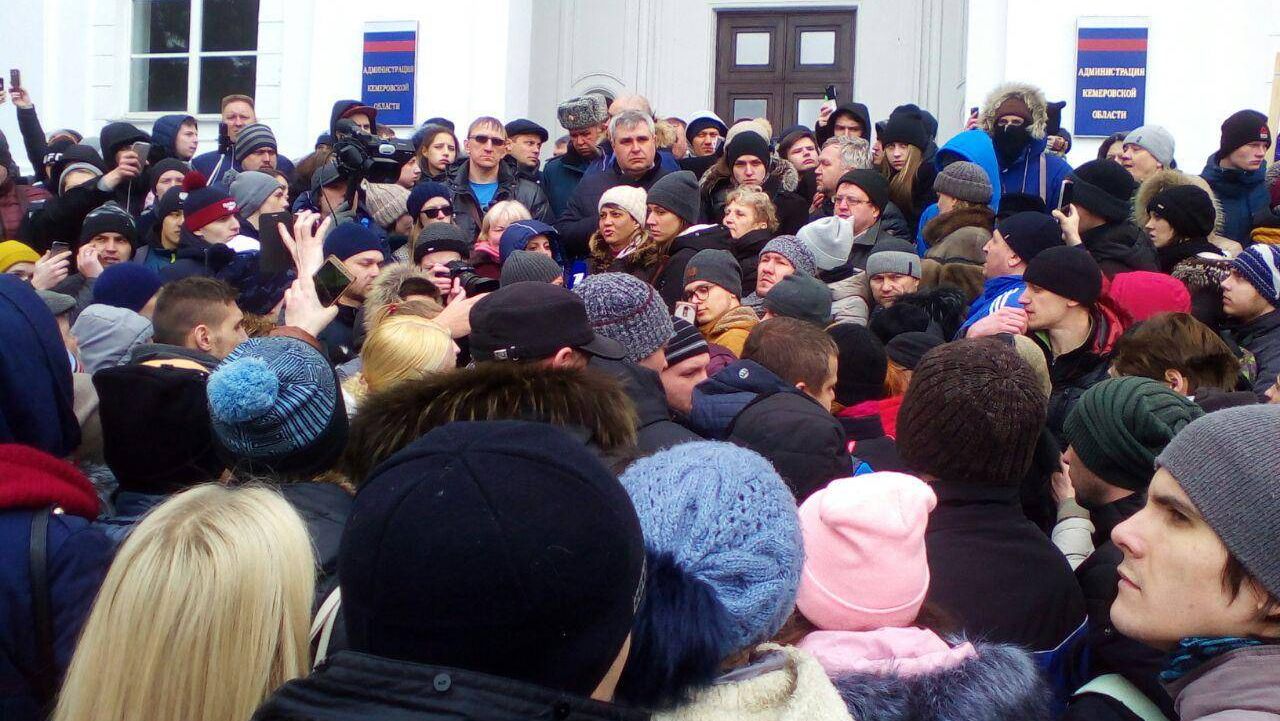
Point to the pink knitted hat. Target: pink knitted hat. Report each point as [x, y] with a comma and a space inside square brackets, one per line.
[865, 565]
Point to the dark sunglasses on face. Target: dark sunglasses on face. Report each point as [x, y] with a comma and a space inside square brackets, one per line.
[443, 211]
[488, 139]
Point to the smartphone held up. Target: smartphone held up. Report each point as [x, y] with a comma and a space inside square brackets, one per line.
[332, 280]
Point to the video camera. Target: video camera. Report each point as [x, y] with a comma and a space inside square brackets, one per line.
[362, 156]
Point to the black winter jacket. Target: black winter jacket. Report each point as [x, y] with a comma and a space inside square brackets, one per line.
[655, 430]
[747, 252]
[1120, 248]
[867, 442]
[353, 686]
[996, 572]
[467, 212]
[670, 280]
[324, 507]
[61, 217]
[1261, 337]
[581, 217]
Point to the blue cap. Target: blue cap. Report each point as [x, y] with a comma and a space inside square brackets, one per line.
[518, 234]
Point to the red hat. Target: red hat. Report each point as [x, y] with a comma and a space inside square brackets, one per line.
[1143, 294]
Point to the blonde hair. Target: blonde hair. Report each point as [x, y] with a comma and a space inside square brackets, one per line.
[205, 612]
[505, 211]
[902, 183]
[402, 348]
[751, 196]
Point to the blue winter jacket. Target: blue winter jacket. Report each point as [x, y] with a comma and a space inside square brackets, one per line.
[560, 177]
[973, 146]
[1002, 292]
[1241, 193]
[1023, 175]
[206, 162]
[720, 398]
[165, 132]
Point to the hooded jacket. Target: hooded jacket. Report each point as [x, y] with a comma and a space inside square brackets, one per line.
[107, 335]
[780, 185]
[164, 134]
[823, 133]
[1241, 193]
[467, 212]
[1023, 174]
[747, 404]
[655, 429]
[973, 146]
[132, 194]
[670, 280]
[1261, 337]
[352, 686]
[1162, 180]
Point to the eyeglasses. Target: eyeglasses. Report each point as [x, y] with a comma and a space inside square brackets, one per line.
[488, 140]
[700, 292]
[442, 212]
[849, 200]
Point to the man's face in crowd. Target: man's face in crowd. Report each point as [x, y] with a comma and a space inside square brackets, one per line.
[749, 170]
[1249, 156]
[662, 224]
[586, 142]
[634, 149]
[171, 229]
[527, 149]
[772, 268]
[486, 146]
[23, 270]
[709, 301]
[440, 257]
[362, 121]
[112, 248]
[854, 205]
[848, 126]
[277, 202]
[167, 180]
[1171, 579]
[704, 143]
[1140, 163]
[1000, 258]
[1091, 490]
[829, 169]
[1241, 300]
[679, 380]
[259, 159]
[1044, 309]
[188, 140]
[236, 115]
[826, 395]
[225, 335]
[220, 230]
[887, 288]
[803, 154]
[365, 267]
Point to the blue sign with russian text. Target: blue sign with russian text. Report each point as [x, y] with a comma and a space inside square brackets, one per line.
[390, 64]
[1111, 80]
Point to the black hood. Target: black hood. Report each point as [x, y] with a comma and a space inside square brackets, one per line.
[117, 135]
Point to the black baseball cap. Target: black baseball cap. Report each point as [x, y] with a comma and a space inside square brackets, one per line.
[529, 321]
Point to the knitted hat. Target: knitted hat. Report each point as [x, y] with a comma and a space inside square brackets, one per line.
[504, 548]
[759, 126]
[1228, 462]
[626, 197]
[350, 239]
[965, 181]
[865, 566]
[1069, 272]
[1242, 128]
[906, 349]
[526, 265]
[109, 218]
[800, 296]
[1155, 140]
[623, 307]
[905, 127]
[169, 203]
[582, 112]
[439, 237]
[524, 126]
[422, 192]
[1144, 293]
[1260, 265]
[1120, 425]
[251, 189]
[1013, 105]
[1105, 188]
[107, 334]
[206, 205]
[795, 251]
[13, 252]
[166, 165]
[746, 144]
[893, 261]
[57, 303]
[972, 414]
[686, 342]
[718, 267]
[717, 517]
[1187, 208]
[1028, 233]
[829, 239]
[386, 202]
[276, 408]
[127, 285]
[678, 193]
[702, 120]
[862, 364]
[871, 182]
[253, 137]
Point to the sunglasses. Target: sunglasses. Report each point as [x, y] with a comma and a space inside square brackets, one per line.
[441, 212]
[488, 140]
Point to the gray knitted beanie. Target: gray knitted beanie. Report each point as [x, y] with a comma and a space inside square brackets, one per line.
[526, 265]
[628, 310]
[795, 251]
[963, 180]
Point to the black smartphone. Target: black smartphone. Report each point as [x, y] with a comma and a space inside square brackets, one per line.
[15, 78]
[59, 246]
[830, 92]
[331, 280]
[274, 257]
[1065, 196]
[973, 111]
[143, 150]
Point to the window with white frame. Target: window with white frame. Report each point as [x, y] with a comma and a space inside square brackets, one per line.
[186, 55]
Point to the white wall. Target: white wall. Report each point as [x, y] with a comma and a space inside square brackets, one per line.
[1204, 60]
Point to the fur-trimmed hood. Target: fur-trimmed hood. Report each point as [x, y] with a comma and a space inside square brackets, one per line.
[944, 224]
[1030, 94]
[1163, 180]
[585, 402]
[782, 176]
[386, 287]
[1000, 683]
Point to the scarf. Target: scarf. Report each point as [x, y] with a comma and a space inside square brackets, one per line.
[1194, 651]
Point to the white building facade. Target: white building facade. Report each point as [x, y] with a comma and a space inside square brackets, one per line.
[89, 62]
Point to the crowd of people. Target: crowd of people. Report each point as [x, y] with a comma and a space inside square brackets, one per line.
[695, 420]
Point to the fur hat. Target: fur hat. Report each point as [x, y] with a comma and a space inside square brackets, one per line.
[582, 112]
